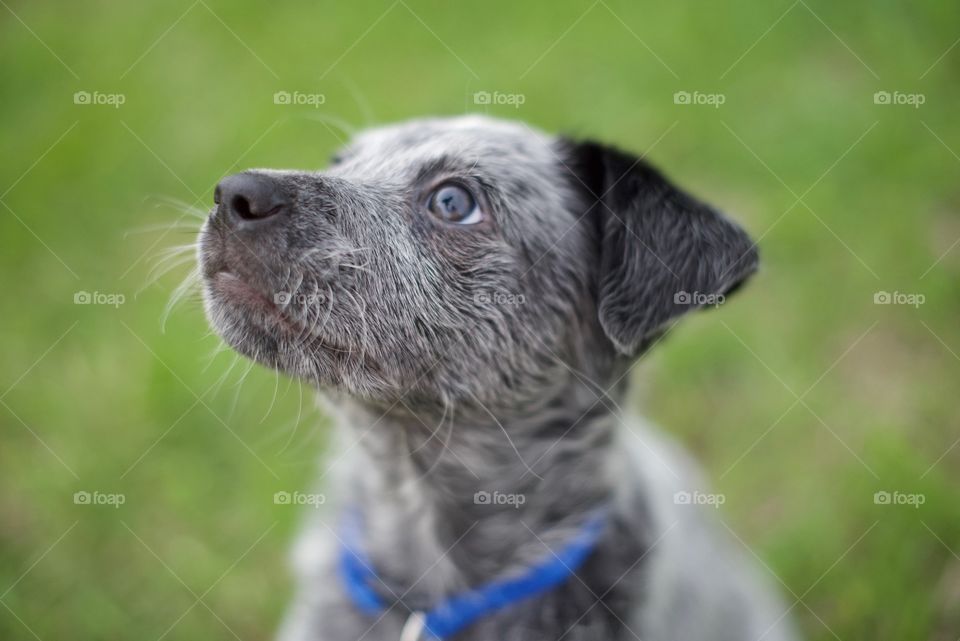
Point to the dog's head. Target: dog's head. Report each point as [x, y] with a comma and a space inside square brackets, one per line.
[459, 258]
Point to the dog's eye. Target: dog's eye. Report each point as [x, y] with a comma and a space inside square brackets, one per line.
[453, 203]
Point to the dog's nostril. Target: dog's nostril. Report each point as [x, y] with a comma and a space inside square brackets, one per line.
[241, 206]
[251, 197]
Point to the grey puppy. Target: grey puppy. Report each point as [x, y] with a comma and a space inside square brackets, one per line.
[470, 294]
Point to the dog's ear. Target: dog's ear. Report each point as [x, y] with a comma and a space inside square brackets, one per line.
[661, 252]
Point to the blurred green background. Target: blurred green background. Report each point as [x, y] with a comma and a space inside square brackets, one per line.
[803, 397]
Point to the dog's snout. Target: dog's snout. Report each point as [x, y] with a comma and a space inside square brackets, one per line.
[251, 198]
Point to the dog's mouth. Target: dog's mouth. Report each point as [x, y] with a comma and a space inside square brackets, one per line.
[262, 328]
[270, 314]
[237, 292]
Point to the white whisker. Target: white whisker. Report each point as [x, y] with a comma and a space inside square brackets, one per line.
[276, 386]
[340, 123]
[159, 271]
[190, 283]
[175, 225]
[181, 206]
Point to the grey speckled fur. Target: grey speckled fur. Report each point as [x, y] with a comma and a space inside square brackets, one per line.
[491, 358]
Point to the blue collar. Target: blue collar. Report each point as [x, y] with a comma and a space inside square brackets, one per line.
[460, 610]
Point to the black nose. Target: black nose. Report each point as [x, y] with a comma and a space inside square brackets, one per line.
[250, 198]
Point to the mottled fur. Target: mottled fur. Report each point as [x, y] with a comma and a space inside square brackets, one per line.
[490, 358]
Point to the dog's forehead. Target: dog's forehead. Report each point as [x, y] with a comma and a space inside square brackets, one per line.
[472, 139]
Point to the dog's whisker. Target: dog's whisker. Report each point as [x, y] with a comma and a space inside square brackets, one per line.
[603, 396]
[359, 268]
[444, 443]
[163, 261]
[316, 328]
[340, 123]
[190, 283]
[296, 423]
[432, 433]
[365, 110]
[175, 250]
[304, 301]
[300, 277]
[165, 264]
[273, 399]
[239, 387]
[160, 266]
[311, 329]
[361, 311]
[328, 255]
[166, 227]
[161, 270]
[225, 375]
[218, 349]
[347, 251]
[181, 206]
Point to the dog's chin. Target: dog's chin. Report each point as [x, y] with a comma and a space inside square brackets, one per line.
[248, 321]
[255, 327]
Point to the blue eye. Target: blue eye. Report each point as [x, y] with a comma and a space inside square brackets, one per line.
[453, 203]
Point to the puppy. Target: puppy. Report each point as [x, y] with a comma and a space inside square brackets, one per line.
[470, 294]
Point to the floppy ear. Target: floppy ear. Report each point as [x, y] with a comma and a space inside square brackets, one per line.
[662, 252]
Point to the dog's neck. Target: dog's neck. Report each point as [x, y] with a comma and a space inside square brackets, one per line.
[450, 500]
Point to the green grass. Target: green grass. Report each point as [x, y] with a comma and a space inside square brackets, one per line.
[112, 406]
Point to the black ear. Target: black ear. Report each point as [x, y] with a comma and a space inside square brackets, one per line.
[662, 252]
